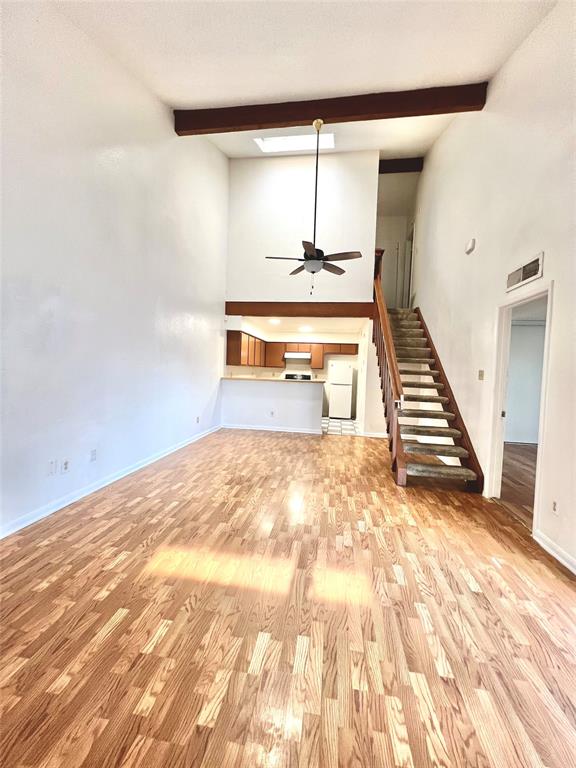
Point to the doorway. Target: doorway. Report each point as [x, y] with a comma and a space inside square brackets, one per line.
[395, 234]
[523, 341]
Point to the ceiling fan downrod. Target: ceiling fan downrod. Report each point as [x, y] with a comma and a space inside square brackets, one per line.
[318, 123]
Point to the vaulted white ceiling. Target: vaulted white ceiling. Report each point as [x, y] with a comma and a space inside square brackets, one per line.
[201, 54]
[210, 54]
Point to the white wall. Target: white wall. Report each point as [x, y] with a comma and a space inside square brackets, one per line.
[114, 243]
[271, 212]
[506, 176]
[370, 404]
[524, 382]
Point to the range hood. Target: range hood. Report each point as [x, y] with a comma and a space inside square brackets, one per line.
[297, 356]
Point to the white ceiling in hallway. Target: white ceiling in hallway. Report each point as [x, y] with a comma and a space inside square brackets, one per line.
[203, 54]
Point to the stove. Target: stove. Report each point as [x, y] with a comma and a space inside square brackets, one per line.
[299, 376]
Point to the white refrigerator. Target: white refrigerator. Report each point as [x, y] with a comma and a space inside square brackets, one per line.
[340, 378]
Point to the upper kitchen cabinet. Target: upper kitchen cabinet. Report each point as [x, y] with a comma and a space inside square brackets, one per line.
[244, 349]
[275, 354]
[234, 344]
[317, 355]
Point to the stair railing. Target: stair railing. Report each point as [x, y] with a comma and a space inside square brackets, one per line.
[392, 390]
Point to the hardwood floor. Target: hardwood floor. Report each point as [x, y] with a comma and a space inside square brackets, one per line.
[267, 599]
[518, 480]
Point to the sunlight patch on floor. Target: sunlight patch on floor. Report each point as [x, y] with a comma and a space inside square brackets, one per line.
[205, 565]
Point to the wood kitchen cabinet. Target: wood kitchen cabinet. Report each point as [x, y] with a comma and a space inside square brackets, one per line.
[251, 350]
[275, 354]
[244, 349]
[317, 355]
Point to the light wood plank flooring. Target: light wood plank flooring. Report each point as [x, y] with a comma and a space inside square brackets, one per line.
[266, 599]
[518, 480]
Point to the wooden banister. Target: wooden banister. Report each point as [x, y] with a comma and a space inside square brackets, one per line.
[390, 350]
[392, 390]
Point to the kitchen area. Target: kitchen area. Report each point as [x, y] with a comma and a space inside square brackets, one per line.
[294, 374]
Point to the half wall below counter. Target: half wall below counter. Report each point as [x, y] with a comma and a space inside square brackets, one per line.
[275, 404]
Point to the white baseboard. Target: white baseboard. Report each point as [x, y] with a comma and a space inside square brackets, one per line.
[557, 552]
[274, 429]
[53, 506]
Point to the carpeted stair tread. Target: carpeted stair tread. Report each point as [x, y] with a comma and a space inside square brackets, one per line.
[430, 431]
[406, 325]
[420, 352]
[409, 341]
[434, 449]
[437, 470]
[411, 371]
[420, 413]
[407, 333]
[422, 384]
[415, 360]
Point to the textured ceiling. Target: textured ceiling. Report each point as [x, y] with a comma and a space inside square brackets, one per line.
[222, 53]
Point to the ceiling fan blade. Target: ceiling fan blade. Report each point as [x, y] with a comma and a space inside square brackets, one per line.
[284, 258]
[309, 249]
[333, 268]
[343, 256]
[301, 268]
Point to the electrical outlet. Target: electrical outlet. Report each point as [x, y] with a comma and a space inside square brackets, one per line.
[64, 466]
[93, 454]
[197, 419]
[480, 374]
[52, 467]
[555, 509]
[272, 414]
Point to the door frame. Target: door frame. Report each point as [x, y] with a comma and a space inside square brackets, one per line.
[493, 484]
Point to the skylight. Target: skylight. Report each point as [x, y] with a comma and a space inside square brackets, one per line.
[295, 143]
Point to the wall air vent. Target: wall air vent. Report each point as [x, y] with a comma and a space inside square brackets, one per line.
[526, 273]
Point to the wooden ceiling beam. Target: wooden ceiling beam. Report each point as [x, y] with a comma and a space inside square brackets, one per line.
[344, 109]
[401, 165]
[300, 308]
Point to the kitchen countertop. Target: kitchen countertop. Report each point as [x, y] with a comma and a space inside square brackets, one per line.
[274, 378]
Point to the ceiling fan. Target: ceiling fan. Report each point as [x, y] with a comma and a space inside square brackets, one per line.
[314, 259]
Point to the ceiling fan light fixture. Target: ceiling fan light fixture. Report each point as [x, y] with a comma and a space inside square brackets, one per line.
[314, 259]
[313, 265]
[303, 143]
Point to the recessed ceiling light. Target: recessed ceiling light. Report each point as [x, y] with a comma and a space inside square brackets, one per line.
[305, 328]
[295, 143]
[274, 321]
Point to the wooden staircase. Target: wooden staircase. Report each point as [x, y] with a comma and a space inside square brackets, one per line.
[425, 426]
